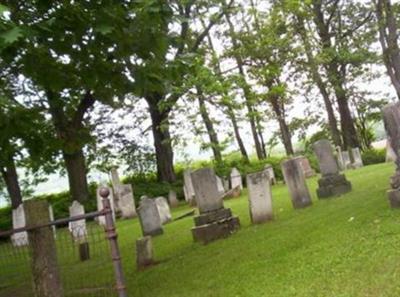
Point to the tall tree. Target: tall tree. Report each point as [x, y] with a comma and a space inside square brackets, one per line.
[386, 13]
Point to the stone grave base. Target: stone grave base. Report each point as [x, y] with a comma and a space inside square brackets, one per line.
[394, 198]
[333, 185]
[214, 225]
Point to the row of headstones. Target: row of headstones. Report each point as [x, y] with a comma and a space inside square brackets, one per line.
[347, 161]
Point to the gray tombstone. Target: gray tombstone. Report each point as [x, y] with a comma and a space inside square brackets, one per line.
[163, 210]
[236, 179]
[116, 183]
[173, 201]
[332, 183]
[214, 221]
[305, 166]
[391, 118]
[390, 154]
[220, 185]
[260, 197]
[296, 182]
[51, 216]
[188, 184]
[271, 174]
[77, 228]
[126, 201]
[144, 252]
[149, 218]
[339, 157]
[19, 221]
[101, 219]
[357, 160]
[346, 160]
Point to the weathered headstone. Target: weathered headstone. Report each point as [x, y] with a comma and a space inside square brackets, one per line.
[173, 201]
[188, 187]
[45, 275]
[115, 180]
[116, 183]
[271, 174]
[77, 228]
[18, 221]
[163, 210]
[339, 157]
[225, 182]
[220, 185]
[390, 154]
[260, 197]
[305, 166]
[357, 160]
[101, 219]
[391, 117]
[149, 218]
[346, 160]
[214, 221]
[144, 252]
[236, 179]
[126, 201]
[296, 182]
[332, 183]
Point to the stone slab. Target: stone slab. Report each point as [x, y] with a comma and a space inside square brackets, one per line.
[217, 230]
[149, 218]
[212, 216]
[236, 179]
[163, 210]
[260, 197]
[326, 159]
[173, 201]
[126, 201]
[144, 252]
[207, 195]
[333, 185]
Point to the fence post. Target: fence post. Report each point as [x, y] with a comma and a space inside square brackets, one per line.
[46, 277]
[112, 237]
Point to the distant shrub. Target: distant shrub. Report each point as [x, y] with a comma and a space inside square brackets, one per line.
[373, 156]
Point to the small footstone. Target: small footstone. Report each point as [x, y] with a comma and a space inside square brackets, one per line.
[144, 252]
[331, 183]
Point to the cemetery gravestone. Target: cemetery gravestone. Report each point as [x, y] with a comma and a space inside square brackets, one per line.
[225, 182]
[126, 201]
[173, 201]
[163, 210]
[332, 183]
[220, 185]
[339, 157]
[18, 220]
[346, 160]
[188, 184]
[214, 221]
[296, 182]
[116, 183]
[236, 179]
[260, 197]
[149, 218]
[305, 166]
[270, 170]
[391, 118]
[357, 160]
[144, 252]
[77, 228]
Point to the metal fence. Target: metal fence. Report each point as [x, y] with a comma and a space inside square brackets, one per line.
[88, 257]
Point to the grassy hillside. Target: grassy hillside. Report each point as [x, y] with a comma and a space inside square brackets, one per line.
[346, 246]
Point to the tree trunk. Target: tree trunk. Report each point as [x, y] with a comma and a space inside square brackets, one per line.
[10, 177]
[239, 140]
[283, 127]
[76, 169]
[215, 146]
[162, 140]
[335, 133]
[261, 137]
[350, 139]
[246, 90]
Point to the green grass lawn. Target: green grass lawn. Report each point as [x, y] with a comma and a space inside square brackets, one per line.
[346, 246]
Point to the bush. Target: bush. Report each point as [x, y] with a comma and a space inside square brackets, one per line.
[373, 156]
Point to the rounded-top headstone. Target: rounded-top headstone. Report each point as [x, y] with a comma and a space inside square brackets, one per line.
[326, 159]
[206, 191]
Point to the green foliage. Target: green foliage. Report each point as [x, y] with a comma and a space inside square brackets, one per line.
[373, 156]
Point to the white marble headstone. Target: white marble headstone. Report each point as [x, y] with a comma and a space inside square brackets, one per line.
[126, 201]
[188, 183]
[19, 221]
[236, 179]
[163, 210]
[77, 228]
[357, 160]
[260, 197]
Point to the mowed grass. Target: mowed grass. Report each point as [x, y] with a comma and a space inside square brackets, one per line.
[345, 246]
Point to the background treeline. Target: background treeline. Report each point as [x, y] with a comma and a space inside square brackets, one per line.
[84, 85]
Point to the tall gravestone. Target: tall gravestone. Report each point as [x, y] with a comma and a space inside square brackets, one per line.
[296, 182]
[346, 160]
[126, 201]
[332, 183]
[305, 166]
[149, 217]
[77, 228]
[116, 183]
[236, 179]
[163, 210]
[214, 221]
[260, 197]
[391, 117]
[19, 221]
[188, 187]
[101, 219]
[271, 174]
[173, 201]
[357, 160]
